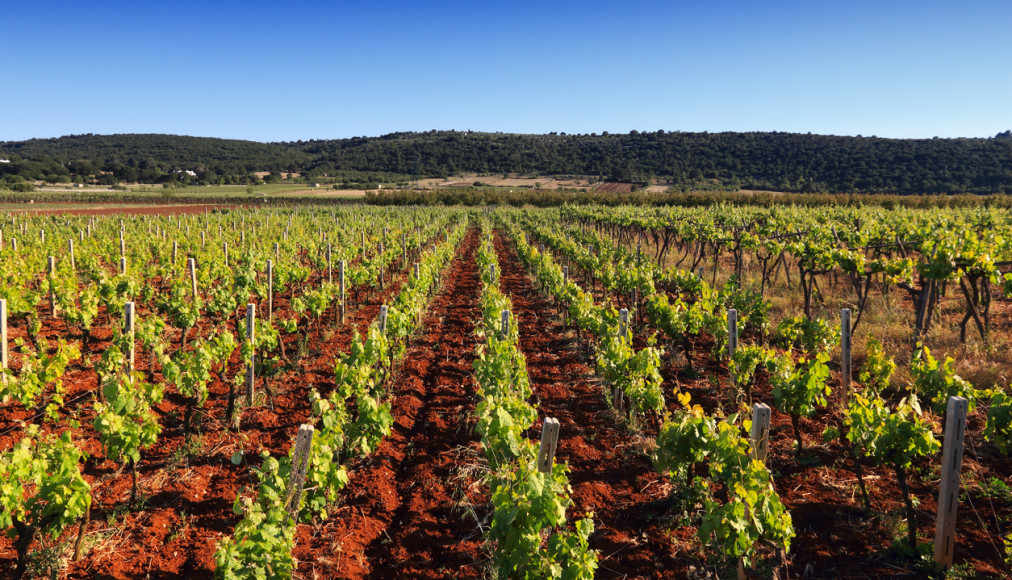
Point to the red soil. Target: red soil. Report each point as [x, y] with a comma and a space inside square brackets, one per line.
[400, 514]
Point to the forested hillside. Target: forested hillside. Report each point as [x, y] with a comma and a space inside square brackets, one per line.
[773, 161]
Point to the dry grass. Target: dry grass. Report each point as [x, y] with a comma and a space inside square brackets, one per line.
[888, 317]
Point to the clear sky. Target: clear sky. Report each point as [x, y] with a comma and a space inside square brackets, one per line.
[273, 71]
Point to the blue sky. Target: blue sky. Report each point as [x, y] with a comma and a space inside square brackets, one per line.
[272, 71]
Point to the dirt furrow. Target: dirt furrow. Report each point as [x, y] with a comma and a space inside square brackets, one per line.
[400, 516]
[610, 475]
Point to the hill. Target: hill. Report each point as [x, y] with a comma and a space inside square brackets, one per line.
[772, 161]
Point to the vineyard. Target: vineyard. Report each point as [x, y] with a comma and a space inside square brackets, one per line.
[578, 392]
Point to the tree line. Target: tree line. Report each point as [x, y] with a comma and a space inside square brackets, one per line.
[788, 162]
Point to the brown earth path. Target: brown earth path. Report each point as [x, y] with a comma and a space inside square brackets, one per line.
[610, 475]
[398, 518]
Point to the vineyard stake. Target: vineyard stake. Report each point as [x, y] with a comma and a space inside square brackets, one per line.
[505, 330]
[224, 248]
[73, 262]
[404, 250]
[845, 360]
[623, 325]
[297, 476]
[270, 289]
[122, 266]
[80, 233]
[634, 305]
[732, 335]
[491, 273]
[14, 245]
[948, 491]
[122, 244]
[175, 251]
[4, 361]
[129, 325]
[51, 266]
[340, 281]
[330, 266]
[760, 434]
[42, 234]
[383, 319]
[381, 266]
[203, 240]
[1, 239]
[193, 276]
[549, 440]
[250, 325]
[417, 271]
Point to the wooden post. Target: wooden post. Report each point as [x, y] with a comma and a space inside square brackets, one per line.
[505, 330]
[193, 276]
[948, 491]
[297, 476]
[381, 266]
[845, 353]
[732, 338]
[418, 272]
[760, 434]
[203, 240]
[277, 251]
[122, 266]
[340, 282]
[224, 248]
[122, 244]
[404, 250]
[80, 234]
[270, 289]
[73, 261]
[250, 328]
[4, 361]
[129, 328]
[549, 440]
[634, 303]
[383, 319]
[14, 245]
[51, 267]
[175, 251]
[491, 273]
[42, 236]
[330, 266]
[623, 324]
[732, 331]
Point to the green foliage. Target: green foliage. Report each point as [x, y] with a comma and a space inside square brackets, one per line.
[938, 382]
[746, 359]
[526, 502]
[39, 371]
[125, 423]
[894, 437]
[811, 336]
[998, 429]
[752, 509]
[800, 390]
[684, 440]
[42, 489]
[877, 368]
[261, 545]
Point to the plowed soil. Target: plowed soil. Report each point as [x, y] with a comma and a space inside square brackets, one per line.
[405, 510]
